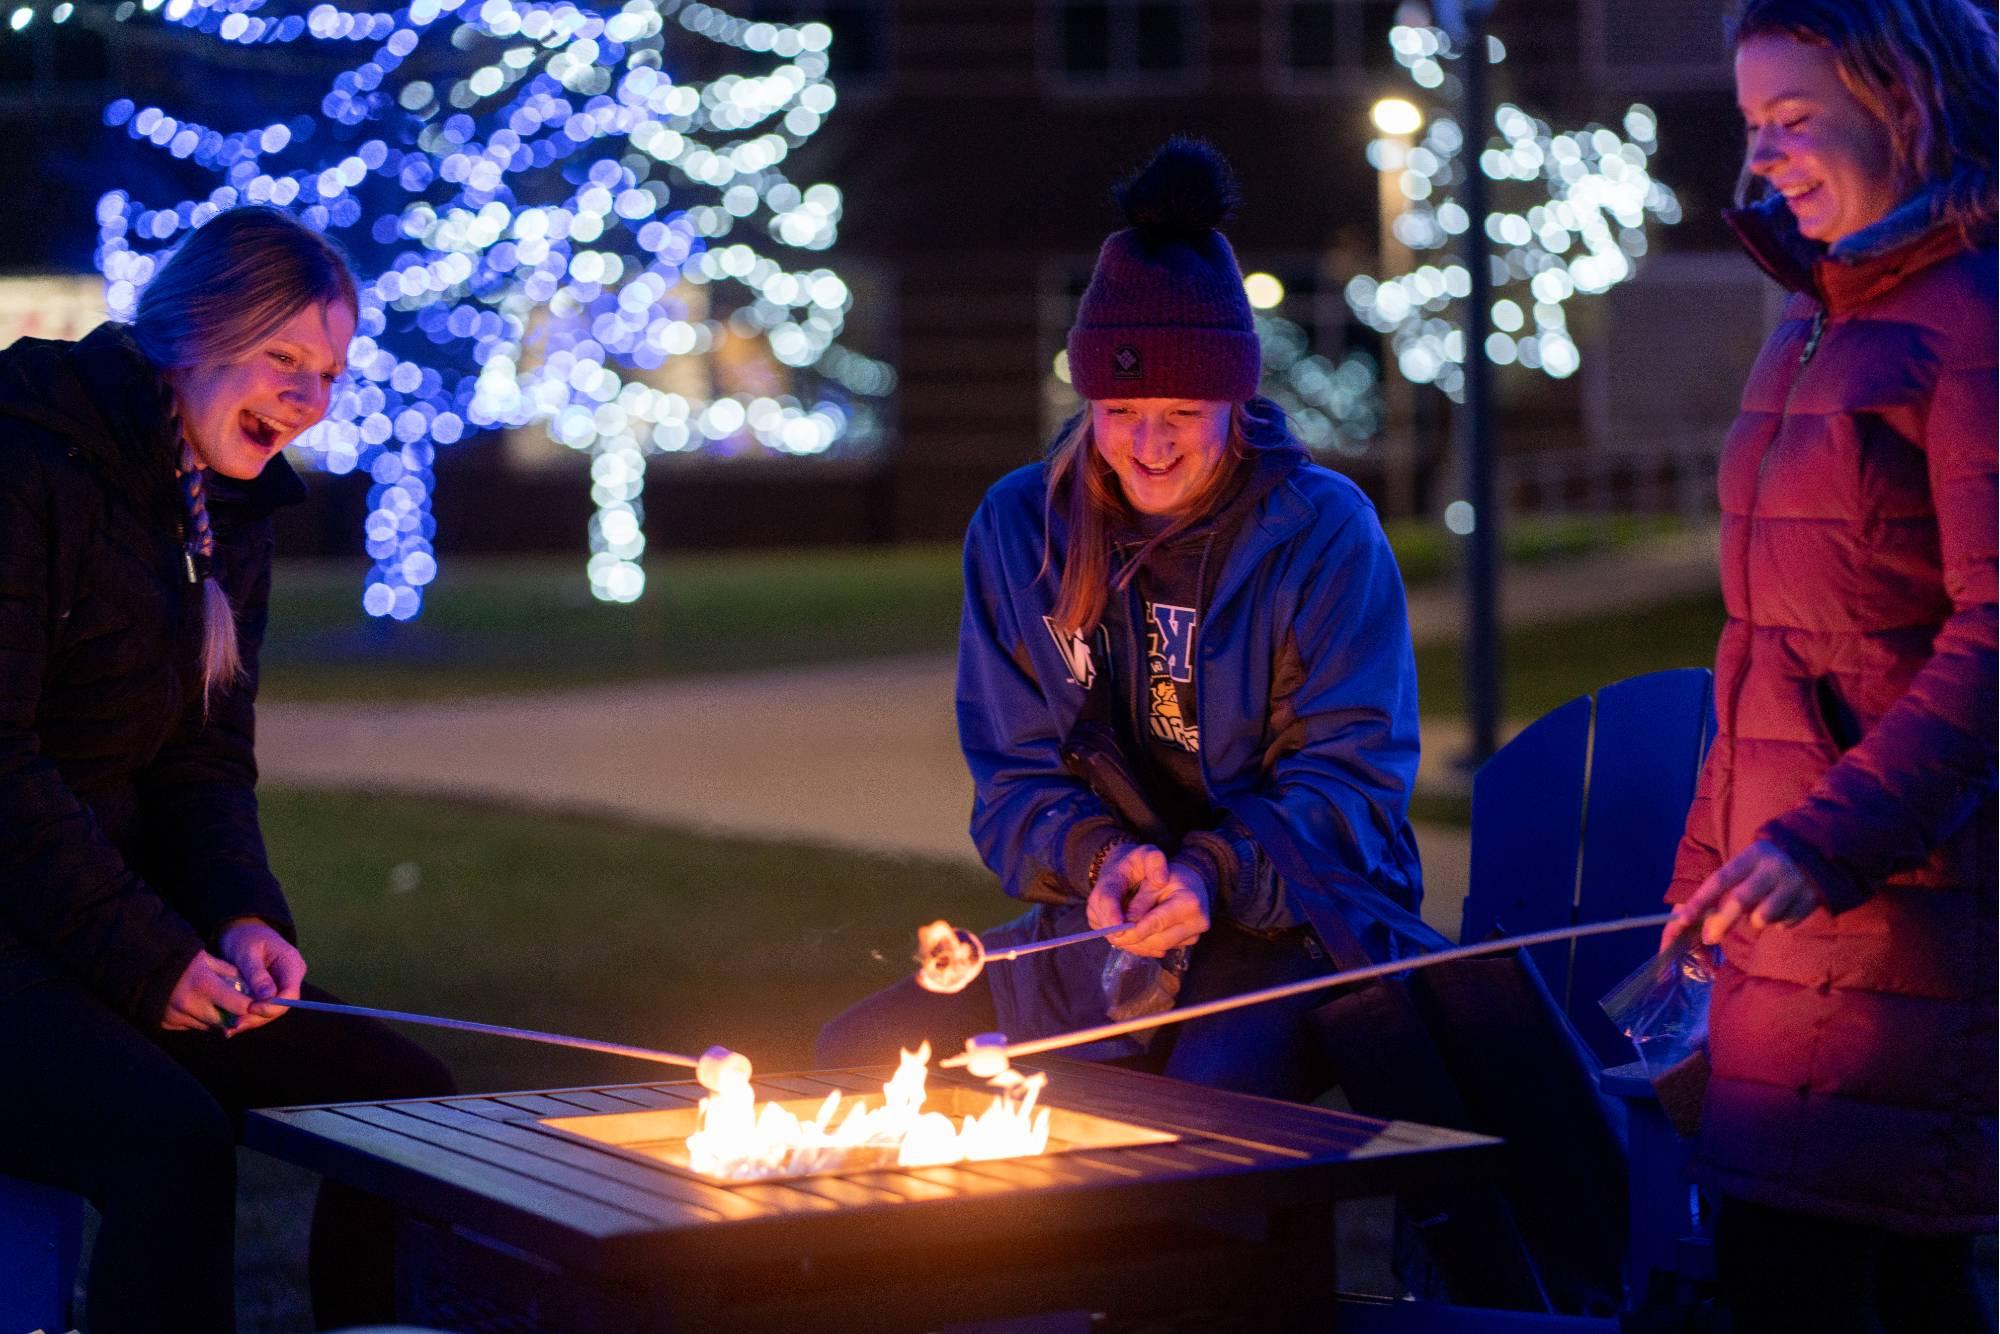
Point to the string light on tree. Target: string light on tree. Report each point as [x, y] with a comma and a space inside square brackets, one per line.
[1585, 224]
[553, 229]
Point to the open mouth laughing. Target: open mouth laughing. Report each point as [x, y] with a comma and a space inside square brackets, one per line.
[267, 433]
[1798, 195]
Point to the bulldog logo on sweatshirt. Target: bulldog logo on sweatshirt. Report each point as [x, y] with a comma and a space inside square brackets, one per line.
[1170, 664]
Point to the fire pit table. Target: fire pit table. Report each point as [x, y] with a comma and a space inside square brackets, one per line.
[551, 1211]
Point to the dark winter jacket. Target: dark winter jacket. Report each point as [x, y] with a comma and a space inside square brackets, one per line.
[1307, 716]
[128, 821]
[1854, 1054]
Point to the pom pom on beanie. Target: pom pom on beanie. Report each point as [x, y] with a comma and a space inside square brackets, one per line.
[1184, 193]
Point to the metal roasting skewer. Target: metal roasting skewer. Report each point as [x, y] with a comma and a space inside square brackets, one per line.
[1036, 947]
[495, 1030]
[950, 957]
[1082, 1035]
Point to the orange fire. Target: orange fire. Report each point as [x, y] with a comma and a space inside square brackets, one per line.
[737, 1139]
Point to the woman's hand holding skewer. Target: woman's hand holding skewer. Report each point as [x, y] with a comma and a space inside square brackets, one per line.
[208, 995]
[1166, 902]
[1758, 887]
[268, 964]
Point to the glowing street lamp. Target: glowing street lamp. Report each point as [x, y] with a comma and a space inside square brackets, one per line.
[1397, 120]
[1264, 291]
[1396, 116]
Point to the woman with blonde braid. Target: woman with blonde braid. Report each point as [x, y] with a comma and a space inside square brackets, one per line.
[140, 924]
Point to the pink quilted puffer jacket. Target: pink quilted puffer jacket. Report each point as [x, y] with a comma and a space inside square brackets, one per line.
[1854, 1054]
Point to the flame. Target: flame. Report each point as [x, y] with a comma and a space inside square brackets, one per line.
[739, 1140]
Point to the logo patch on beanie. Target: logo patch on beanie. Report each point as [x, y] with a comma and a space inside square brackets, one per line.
[1125, 363]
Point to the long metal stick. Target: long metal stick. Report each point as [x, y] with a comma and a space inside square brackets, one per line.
[494, 1030]
[1300, 988]
[1016, 951]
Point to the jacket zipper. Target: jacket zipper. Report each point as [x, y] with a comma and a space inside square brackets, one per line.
[1136, 659]
[1813, 336]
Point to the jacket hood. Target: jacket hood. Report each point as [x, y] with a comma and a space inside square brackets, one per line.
[1915, 228]
[106, 400]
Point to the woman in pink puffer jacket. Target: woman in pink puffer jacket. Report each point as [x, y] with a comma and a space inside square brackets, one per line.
[1842, 842]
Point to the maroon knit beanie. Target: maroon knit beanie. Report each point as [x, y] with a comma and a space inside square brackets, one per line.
[1165, 315]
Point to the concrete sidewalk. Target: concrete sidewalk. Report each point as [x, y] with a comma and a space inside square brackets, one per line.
[861, 755]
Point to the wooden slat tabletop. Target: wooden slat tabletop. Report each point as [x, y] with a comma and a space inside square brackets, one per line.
[486, 1163]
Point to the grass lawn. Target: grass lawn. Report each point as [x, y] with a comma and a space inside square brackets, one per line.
[639, 935]
[532, 623]
[1548, 665]
[526, 624]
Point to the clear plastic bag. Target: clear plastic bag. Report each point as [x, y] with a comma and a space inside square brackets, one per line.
[1136, 986]
[1663, 1008]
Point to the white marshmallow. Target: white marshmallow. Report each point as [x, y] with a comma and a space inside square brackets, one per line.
[718, 1064]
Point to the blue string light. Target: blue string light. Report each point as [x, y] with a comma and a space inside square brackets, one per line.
[559, 221]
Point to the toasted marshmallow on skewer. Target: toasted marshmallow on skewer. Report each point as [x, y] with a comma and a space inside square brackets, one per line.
[986, 1056]
[719, 1064]
[948, 957]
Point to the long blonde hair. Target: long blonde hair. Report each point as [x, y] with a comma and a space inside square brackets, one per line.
[1925, 69]
[233, 283]
[1081, 485]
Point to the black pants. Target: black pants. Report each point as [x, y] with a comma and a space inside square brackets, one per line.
[1263, 1049]
[1779, 1271]
[145, 1125]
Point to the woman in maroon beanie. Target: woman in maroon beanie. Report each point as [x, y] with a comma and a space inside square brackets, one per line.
[1841, 847]
[1185, 686]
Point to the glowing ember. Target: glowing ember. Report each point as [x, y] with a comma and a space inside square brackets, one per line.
[737, 1139]
[948, 957]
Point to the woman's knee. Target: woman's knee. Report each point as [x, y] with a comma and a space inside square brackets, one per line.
[873, 1029]
[843, 1039]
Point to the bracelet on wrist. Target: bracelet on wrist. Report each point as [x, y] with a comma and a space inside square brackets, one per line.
[1097, 863]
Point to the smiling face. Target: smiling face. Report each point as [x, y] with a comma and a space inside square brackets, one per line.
[240, 414]
[1163, 450]
[1817, 145]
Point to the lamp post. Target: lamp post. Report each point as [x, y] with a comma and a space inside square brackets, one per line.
[1397, 121]
[1465, 21]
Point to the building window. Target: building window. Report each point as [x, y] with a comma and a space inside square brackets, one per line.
[859, 56]
[1670, 45]
[67, 58]
[1315, 41]
[1120, 45]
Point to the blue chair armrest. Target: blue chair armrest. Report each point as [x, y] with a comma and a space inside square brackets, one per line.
[1626, 1081]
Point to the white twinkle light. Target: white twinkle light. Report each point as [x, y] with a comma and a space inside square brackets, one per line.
[1579, 233]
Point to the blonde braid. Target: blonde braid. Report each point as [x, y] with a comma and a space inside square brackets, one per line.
[221, 658]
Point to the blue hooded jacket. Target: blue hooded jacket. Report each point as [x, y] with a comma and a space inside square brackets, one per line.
[1307, 711]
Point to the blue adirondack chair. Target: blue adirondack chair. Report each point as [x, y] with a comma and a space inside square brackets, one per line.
[1575, 821]
[41, 1231]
